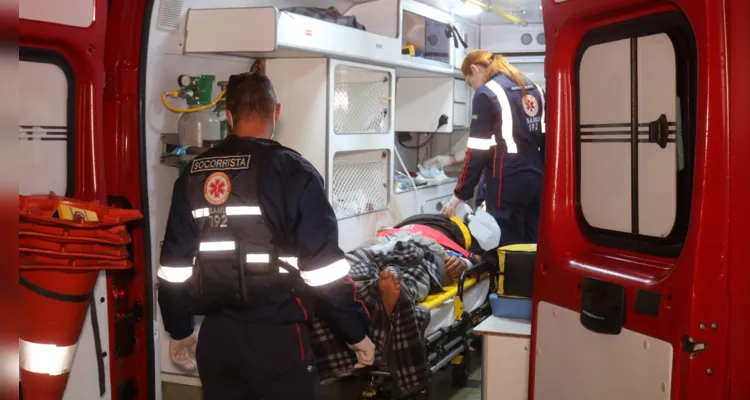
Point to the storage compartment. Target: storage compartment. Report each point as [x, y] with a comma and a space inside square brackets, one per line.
[427, 37]
[361, 100]
[337, 115]
[267, 32]
[360, 182]
[421, 102]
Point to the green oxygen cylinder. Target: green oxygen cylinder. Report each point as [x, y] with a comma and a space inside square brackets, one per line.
[195, 127]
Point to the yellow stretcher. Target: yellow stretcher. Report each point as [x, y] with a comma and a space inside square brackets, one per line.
[462, 306]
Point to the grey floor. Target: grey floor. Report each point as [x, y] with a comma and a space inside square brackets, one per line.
[349, 389]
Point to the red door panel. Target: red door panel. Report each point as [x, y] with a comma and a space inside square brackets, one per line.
[106, 163]
[688, 271]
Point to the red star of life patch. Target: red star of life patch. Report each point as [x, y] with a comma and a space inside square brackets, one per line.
[530, 105]
[217, 187]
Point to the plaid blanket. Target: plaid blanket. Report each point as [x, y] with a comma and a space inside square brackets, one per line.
[399, 340]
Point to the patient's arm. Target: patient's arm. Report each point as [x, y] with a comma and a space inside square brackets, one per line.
[454, 266]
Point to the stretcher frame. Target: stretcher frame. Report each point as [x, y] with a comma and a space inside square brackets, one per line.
[446, 345]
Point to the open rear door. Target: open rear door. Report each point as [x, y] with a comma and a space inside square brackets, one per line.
[630, 294]
[79, 136]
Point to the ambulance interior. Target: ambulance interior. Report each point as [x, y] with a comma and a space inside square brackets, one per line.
[364, 105]
[355, 106]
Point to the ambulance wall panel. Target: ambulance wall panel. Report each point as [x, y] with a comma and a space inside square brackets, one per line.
[302, 90]
[508, 38]
[531, 66]
[605, 149]
[573, 362]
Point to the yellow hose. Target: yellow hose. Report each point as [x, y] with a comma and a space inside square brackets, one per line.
[503, 14]
[175, 93]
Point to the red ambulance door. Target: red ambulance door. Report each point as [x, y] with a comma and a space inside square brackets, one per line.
[631, 292]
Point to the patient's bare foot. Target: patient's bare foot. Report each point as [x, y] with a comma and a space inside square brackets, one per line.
[390, 287]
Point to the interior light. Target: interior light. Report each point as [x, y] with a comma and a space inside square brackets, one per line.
[466, 8]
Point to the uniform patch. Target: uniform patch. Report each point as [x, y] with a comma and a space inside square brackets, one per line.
[223, 163]
[530, 105]
[474, 116]
[217, 187]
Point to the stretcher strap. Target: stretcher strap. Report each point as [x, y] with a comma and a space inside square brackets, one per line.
[464, 230]
[97, 345]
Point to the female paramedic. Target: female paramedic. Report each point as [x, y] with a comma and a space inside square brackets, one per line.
[506, 143]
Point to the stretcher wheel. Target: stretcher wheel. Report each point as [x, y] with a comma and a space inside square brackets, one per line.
[460, 372]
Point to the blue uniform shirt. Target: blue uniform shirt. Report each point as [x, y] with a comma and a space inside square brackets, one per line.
[296, 207]
[506, 133]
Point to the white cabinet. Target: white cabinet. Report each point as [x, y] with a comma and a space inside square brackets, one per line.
[337, 114]
[421, 101]
[506, 355]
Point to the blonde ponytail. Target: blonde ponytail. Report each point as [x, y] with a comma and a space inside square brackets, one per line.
[494, 64]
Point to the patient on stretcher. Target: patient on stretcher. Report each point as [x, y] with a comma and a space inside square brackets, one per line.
[442, 245]
[390, 286]
[394, 273]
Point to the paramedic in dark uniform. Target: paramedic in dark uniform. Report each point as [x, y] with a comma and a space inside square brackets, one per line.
[252, 244]
[505, 142]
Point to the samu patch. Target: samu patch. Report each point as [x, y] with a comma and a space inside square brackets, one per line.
[530, 105]
[223, 163]
[217, 187]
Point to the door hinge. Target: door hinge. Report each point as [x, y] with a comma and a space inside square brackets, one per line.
[693, 347]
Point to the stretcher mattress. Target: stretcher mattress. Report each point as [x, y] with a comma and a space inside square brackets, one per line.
[441, 315]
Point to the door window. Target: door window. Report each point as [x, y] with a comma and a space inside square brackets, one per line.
[45, 123]
[636, 134]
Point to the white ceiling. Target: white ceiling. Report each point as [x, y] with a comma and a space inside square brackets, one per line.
[529, 10]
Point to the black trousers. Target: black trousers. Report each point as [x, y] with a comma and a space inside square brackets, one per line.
[515, 202]
[255, 361]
